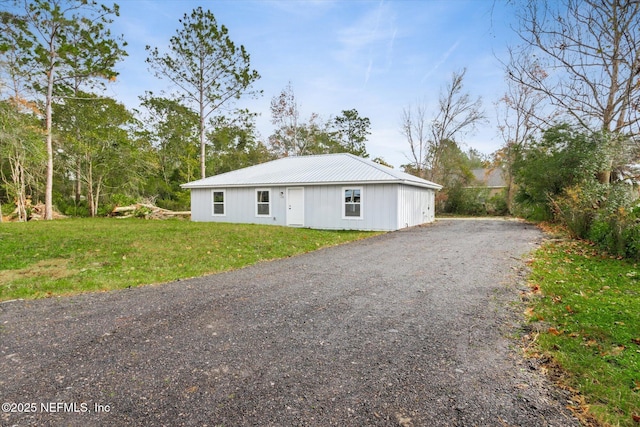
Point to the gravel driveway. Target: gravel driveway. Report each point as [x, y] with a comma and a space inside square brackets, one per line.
[411, 328]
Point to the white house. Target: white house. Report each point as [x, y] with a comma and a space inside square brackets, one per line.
[330, 191]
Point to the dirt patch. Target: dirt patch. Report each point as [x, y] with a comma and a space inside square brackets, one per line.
[56, 268]
[411, 328]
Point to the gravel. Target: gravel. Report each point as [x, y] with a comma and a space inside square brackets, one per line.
[411, 328]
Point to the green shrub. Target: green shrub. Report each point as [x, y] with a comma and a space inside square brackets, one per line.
[121, 200]
[532, 211]
[599, 232]
[180, 203]
[609, 235]
[631, 236]
[615, 228]
[564, 157]
[577, 207]
[67, 206]
[497, 204]
[466, 201]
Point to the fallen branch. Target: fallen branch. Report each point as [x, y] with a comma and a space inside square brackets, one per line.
[147, 211]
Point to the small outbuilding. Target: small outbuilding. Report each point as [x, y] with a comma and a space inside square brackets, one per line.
[330, 191]
[493, 179]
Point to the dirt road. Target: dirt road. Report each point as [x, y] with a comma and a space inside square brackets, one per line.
[411, 328]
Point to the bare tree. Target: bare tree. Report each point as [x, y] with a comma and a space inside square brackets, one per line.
[21, 150]
[519, 115]
[315, 135]
[285, 115]
[414, 127]
[457, 115]
[584, 57]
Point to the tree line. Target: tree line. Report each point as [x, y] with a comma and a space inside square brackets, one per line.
[568, 120]
[63, 141]
[573, 72]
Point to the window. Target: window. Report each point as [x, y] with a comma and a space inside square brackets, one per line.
[352, 203]
[263, 206]
[218, 202]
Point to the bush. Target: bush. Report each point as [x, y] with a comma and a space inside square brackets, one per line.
[609, 236]
[618, 237]
[497, 204]
[563, 158]
[532, 211]
[67, 206]
[474, 201]
[603, 214]
[465, 201]
[556, 178]
[577, 207]
[119, 199]
[181, 202]
[631, 236]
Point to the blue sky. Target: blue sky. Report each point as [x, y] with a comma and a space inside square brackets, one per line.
[375, 56]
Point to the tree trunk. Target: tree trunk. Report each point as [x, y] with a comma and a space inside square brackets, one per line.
[22, 193]
[96, 200]
[509, 195]
[48, 194]
[604, 177]
[78, 186]
[17, 175]
[90, 195]
[203, 172]
[203, 148]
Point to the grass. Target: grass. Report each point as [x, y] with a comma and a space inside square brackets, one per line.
[589, 304]
[43, 259]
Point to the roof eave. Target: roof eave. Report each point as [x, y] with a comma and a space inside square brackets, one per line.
[194, 185]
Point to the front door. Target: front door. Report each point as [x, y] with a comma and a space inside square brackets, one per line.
[295, 206]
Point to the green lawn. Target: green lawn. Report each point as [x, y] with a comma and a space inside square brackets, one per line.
[589, 304]
[47, 258]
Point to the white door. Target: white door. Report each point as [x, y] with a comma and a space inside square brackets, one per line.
[425, 205]
[295, 206]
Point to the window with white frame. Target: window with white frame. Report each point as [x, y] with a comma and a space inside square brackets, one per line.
[263, 203]
[218, 202]
[352, 203]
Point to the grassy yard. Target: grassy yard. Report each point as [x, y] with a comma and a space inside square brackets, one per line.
[41, 259]
[588, 308]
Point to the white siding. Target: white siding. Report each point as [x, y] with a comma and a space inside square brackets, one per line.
[240, 206]
[202, 205]
[324, 205]
[415, 206]
[384, 207]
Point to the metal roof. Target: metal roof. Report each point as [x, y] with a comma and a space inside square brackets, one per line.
[342, 168]
[492, 178]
